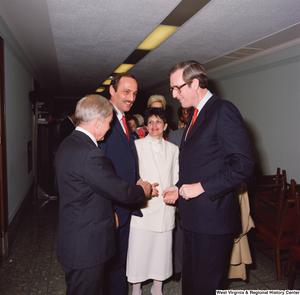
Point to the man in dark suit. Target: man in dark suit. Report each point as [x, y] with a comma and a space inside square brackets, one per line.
[122, 153]
[67, 126]
[87, 185]
[184, 115]
[215, 157]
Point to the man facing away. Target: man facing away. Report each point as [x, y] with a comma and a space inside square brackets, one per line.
[214, 158]
[121, 150]
[87, 185]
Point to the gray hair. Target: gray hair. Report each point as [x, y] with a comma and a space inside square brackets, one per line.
[157, 98]
[191, 70]
[139, 118]
[92, 106]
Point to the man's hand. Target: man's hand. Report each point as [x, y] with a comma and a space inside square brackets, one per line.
[189, 191]
[170, 195]
[116, 220]
[147, 187]
[154, 192]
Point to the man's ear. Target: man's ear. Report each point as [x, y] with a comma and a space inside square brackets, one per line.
[165, 127]
[111, 90]
[195, 84]
[97, 122]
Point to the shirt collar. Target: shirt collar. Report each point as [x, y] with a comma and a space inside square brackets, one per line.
[88, 134]
[118, 113]
[203, 101]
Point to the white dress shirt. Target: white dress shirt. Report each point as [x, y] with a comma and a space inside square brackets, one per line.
[88, 134]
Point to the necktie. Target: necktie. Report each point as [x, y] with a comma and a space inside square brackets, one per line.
[193, 121]
[125, 126]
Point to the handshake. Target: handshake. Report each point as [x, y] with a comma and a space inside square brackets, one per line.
[150, 189]
[170, 194]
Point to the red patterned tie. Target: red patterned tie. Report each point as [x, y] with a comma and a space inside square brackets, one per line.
[193, 121]
[125, 126]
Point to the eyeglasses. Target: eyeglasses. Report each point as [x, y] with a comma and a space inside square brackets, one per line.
[177, 88]
[186, 111]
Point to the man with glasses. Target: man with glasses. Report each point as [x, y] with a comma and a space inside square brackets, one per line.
[215, 157]
[132, 123]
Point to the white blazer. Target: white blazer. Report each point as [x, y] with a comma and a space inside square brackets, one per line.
[157, 215]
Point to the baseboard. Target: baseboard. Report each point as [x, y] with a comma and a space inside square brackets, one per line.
[16, 222]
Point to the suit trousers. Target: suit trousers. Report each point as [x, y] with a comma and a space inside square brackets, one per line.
[115, 271]
[205, 262]
[87, 281]
[177, 245]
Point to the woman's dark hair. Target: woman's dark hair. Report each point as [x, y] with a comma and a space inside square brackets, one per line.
[157, 112]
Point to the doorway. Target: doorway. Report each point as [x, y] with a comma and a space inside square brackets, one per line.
[3, 179]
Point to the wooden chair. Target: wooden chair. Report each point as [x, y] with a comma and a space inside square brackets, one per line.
[270, 187]
[262, 179]
[294, 256]
[275, 223]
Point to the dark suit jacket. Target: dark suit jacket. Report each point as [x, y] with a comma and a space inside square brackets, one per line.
[176, 136]
[124, 159]
[216, 153]
[66, 128]
[87, 184]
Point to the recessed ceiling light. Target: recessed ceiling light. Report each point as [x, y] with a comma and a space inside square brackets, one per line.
[161, 33]
[123, 68]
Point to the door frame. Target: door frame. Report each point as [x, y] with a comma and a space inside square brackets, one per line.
[3, 164]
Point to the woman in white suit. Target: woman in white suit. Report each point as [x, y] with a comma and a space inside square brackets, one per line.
[150, 239]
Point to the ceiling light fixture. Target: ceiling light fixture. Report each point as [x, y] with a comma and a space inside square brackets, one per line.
[167, 27]
[123, 68]
[100, 89]
[106, 82]
[161, 33]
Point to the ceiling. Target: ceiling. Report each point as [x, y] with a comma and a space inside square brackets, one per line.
[74, 45]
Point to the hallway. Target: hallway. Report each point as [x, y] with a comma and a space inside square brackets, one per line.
[32, 267]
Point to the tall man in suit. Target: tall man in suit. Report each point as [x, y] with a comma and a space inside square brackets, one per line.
[214, 158]
[122, 153]
[87, 185]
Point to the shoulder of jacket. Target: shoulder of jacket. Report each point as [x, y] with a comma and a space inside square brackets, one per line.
[141, 141]
[172, 146]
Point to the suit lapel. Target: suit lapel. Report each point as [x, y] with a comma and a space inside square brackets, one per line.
[119, 128]
[165, 162]
[161, 166]
[151, 163]
[199, 121]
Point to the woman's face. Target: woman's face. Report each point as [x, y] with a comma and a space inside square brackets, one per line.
[156, 127]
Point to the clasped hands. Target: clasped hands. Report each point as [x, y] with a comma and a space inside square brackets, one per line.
[150, 189]
[187, 191]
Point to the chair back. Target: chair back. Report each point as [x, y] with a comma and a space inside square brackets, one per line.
[293, 192]
[270, 179]
[269, 204]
